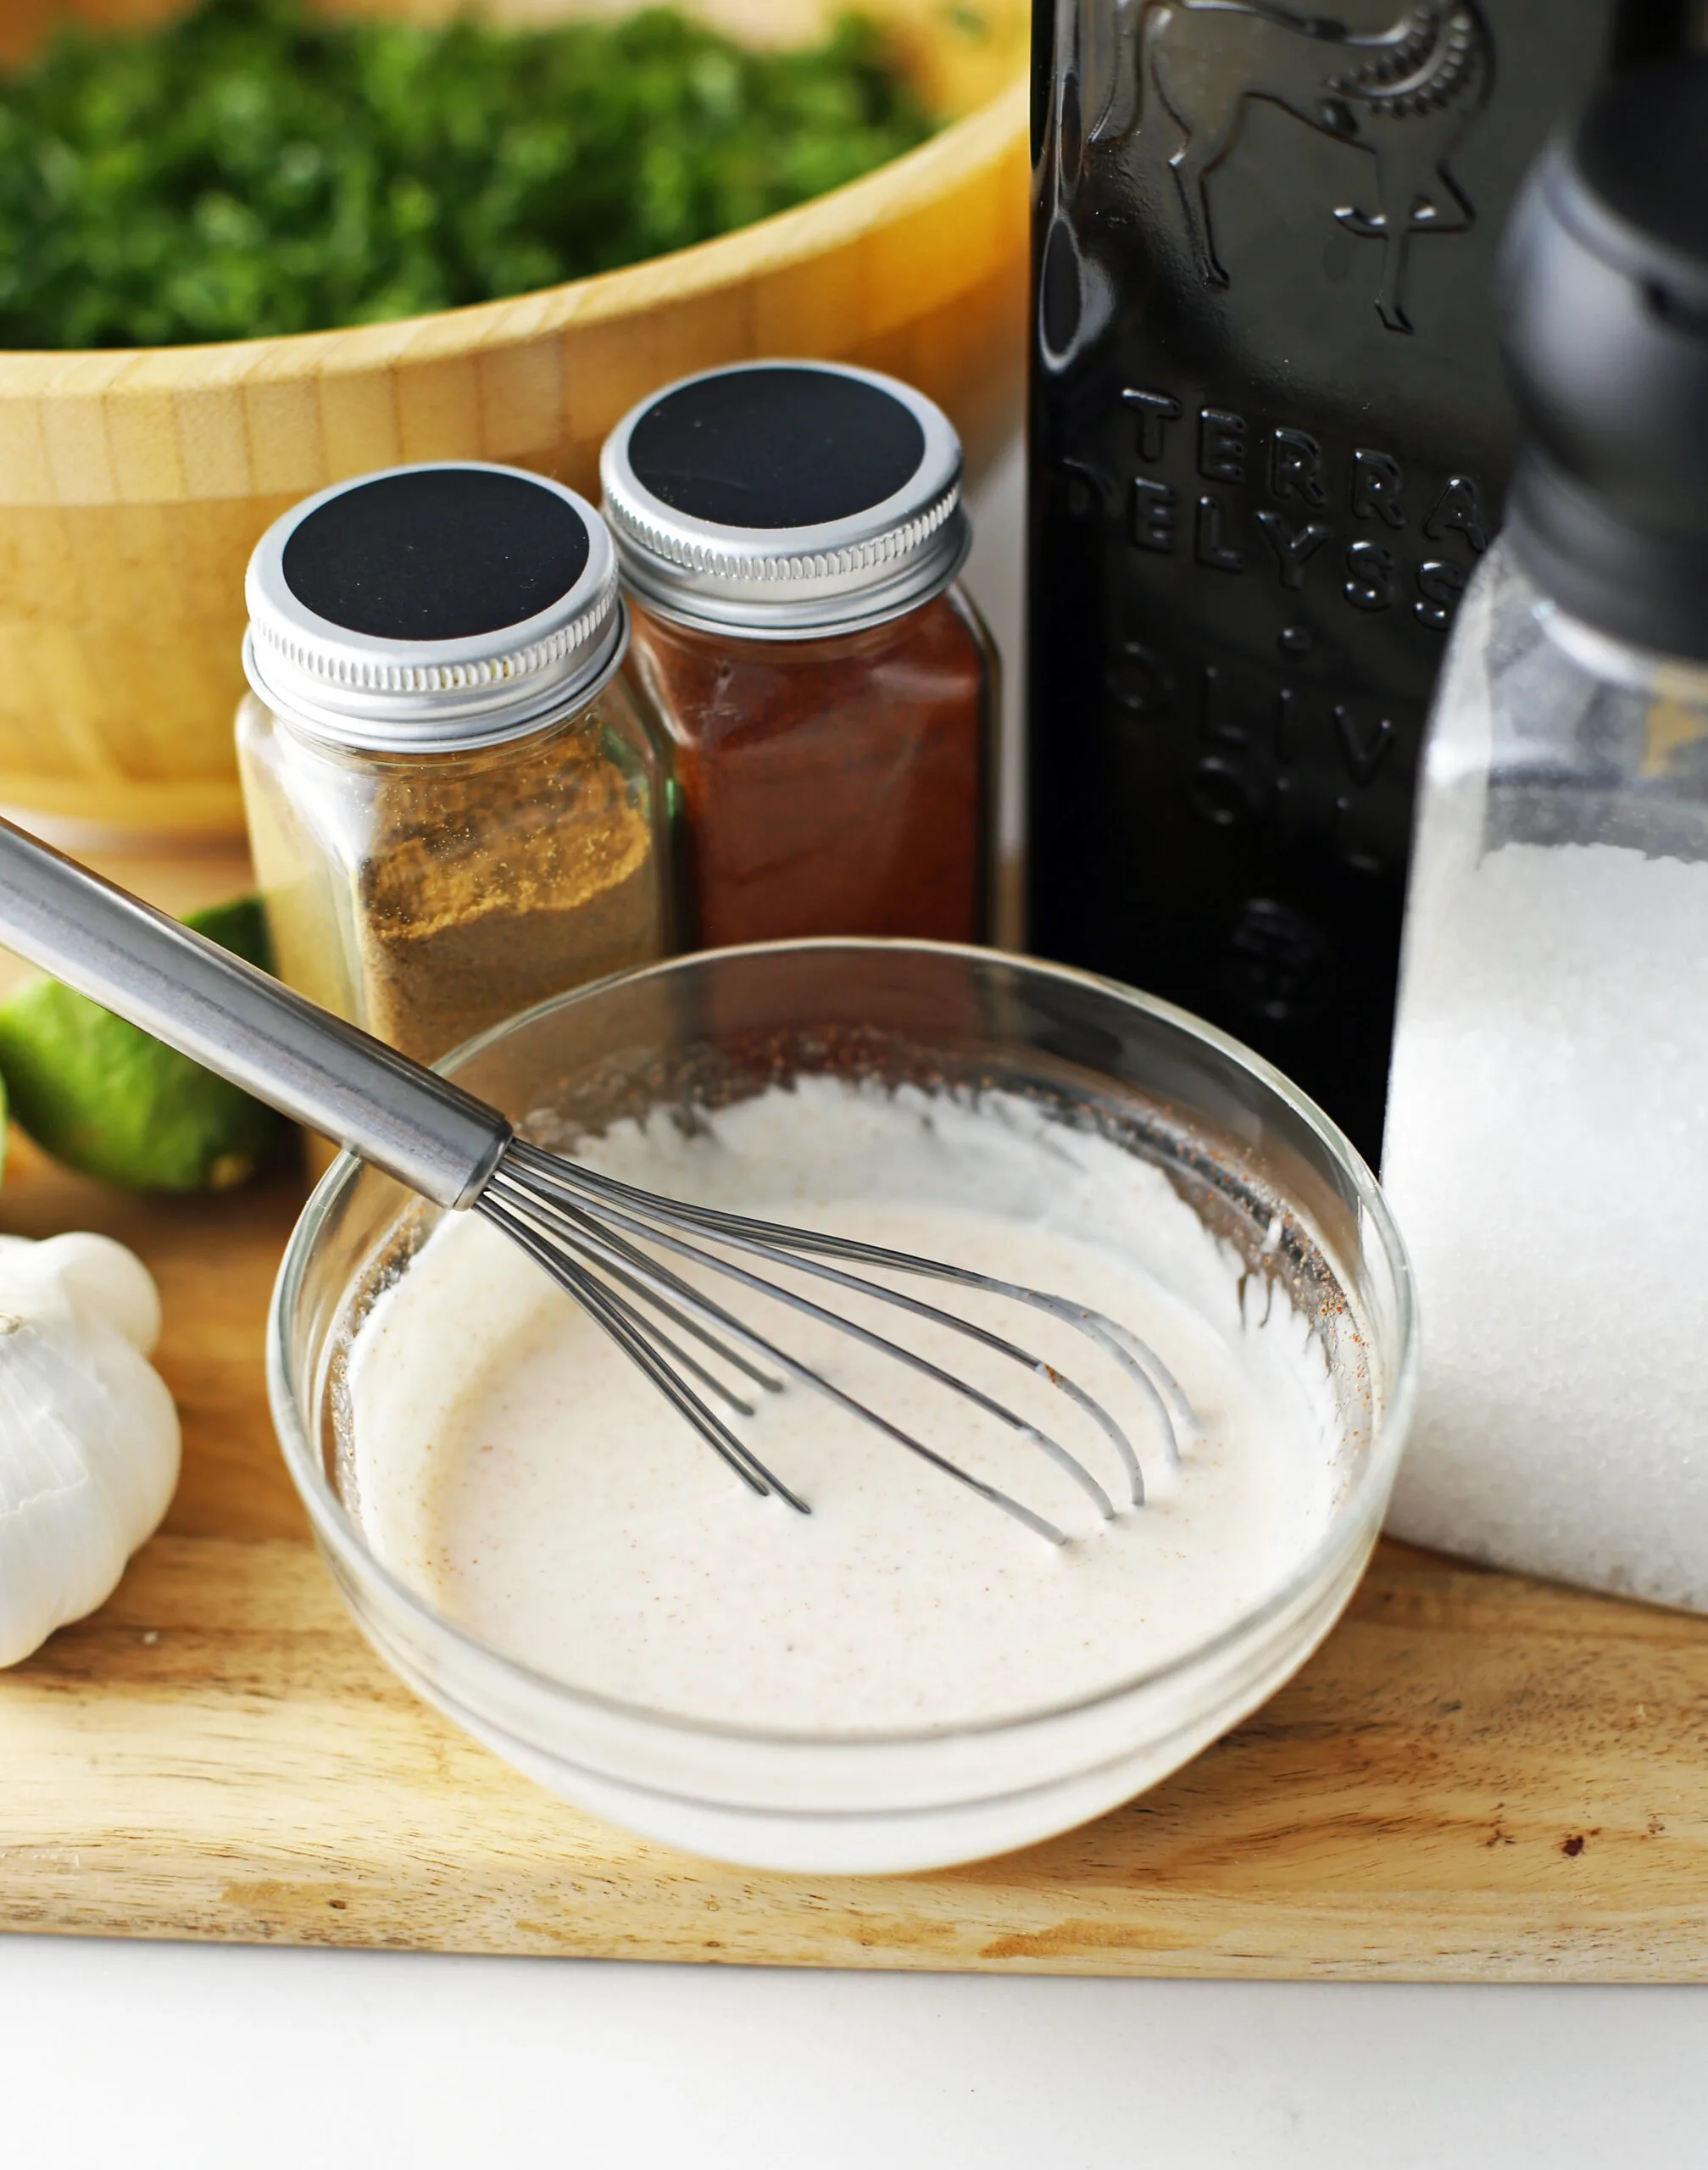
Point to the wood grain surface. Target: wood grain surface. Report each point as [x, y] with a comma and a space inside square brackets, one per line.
[135, 482]
[1476, 1778]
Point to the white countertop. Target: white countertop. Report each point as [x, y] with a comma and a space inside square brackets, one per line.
[181, 2055]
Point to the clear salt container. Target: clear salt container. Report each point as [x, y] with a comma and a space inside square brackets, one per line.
[1547, 1137]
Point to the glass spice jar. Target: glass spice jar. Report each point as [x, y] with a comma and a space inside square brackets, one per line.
[789, 535]
[454, 803]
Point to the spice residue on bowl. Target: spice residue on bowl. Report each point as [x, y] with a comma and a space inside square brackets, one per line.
[509, 1464]
[253, 169]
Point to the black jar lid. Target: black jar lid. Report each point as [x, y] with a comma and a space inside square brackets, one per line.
[433, 608]
[786, 500]
[1605, 281]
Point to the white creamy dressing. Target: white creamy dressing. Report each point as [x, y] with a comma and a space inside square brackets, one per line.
[518, 1471]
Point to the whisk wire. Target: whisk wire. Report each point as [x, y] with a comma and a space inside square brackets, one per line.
[1137, 1357]
[1056, 1452]
[582, 1233]
[795, 1248]
[679, 1356]
[935, 1315]
[855, 1332]
[621, 1322]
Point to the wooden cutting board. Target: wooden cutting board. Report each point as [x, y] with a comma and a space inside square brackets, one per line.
[1476, 1778]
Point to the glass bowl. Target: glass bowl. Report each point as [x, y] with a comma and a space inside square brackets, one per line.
[1268, 1171]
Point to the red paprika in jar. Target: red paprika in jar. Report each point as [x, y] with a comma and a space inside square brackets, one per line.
[789, 534]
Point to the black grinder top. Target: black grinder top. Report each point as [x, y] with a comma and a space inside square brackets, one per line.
[1605, 291]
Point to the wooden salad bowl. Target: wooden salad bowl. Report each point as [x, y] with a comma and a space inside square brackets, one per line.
[134, 481]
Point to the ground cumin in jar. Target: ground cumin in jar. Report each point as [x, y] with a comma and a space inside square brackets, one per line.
[453, 802]
[789, 535]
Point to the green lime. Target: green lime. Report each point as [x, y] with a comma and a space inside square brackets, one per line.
[112, 1102]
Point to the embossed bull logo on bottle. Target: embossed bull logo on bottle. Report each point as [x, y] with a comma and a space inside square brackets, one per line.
[1406, 95]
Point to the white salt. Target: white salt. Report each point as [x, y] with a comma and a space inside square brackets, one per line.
[1546, 1156]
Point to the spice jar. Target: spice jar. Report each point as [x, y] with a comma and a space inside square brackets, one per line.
[454, 801]
[789, 535]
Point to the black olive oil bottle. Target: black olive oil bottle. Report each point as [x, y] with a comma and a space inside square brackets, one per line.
[1269, 439]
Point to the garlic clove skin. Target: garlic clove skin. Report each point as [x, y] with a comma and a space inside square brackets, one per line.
[89, 1437]
[102, 1279]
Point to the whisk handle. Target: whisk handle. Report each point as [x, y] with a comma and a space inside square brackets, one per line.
[245, 1025]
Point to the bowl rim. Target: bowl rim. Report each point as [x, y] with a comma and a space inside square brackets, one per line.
[979, 137]
[337, 1529]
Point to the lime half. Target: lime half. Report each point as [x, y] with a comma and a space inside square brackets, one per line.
[112, 1102]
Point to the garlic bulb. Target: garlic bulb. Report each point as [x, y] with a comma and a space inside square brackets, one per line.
[88, 1434]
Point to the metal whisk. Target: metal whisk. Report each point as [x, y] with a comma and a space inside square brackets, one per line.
[596, 1237]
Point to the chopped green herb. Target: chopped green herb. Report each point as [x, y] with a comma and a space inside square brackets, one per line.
[253, 169]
